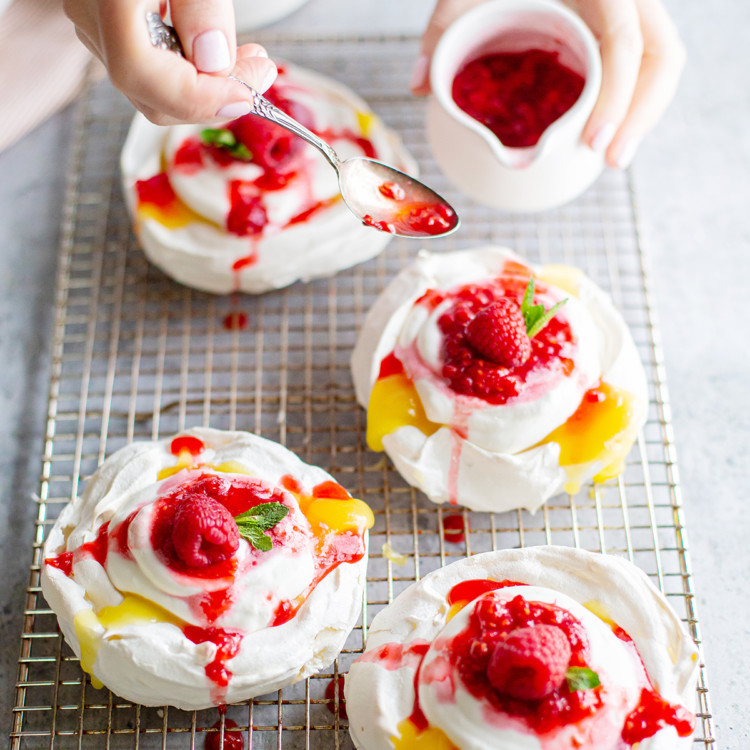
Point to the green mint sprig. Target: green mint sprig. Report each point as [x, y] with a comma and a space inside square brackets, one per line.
[536, 316]
[255, 522]
[581, 678]
[225, 139]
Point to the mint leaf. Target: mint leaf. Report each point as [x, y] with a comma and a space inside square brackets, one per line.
[581, 678]
[260, 518]
[223, 138]
[535, 316]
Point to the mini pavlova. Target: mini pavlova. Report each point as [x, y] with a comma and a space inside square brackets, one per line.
[494, 384]
[206, 569]
[543, 648]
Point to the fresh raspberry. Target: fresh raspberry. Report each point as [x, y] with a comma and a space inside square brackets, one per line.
[203, 531]
[498, 332]
[530, 662]
[273, 147]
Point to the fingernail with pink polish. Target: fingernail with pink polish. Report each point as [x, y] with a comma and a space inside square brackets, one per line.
[211, 51]
[626, 154]
[419, 72]
[603, 138]
[233, 110]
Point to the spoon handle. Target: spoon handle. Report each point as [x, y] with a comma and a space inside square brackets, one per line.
[263, 108]
[165, 37]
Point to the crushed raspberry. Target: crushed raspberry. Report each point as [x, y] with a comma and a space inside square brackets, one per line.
[233, 739]
[203, 532]
[498, 332]
[651, 714]
[247, 215]
[273, 147]
[517, 95]
[471, 373]
[392, 190]
[530, 662]
[429, 219]
[383, 226]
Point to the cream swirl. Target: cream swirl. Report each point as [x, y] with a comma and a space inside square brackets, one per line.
[228, 224]
[497, 453]
[157, 630]
[414, 642]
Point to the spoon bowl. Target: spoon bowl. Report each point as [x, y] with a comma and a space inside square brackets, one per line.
[392, 201]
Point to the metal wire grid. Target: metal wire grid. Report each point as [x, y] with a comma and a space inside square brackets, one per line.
[136, 356]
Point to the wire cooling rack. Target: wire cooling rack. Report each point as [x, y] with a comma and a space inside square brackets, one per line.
[136, 356]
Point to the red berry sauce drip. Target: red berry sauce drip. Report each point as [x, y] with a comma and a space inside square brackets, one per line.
[383, 226]
[156, 191]
[227, 645]
[430, 299]
[247, 215]
[233, 739]
[333, 688]
[63, 561]
[335, 548]
[454, 530]
[652, 714]
[517, 95]
[492, 621]
[235, 321]
[470, 374]
[342, 547]
[393, 656]
[467, 591]
[244, 261]
[390, 365]
[193, 445]
[96, 548]
[316, 208]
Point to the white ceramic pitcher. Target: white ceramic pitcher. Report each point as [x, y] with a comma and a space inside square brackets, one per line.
[560, 166]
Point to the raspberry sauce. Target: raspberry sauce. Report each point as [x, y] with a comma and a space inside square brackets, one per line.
[653, 713]
[156, 191]
[517, 95]
[470, 374]
[336, 688]
[63, 561]
[193, 445]
[454, 530]
[233, 739]
[235, 321]
[227, 644]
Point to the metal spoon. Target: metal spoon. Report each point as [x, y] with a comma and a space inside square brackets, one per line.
[378, 195]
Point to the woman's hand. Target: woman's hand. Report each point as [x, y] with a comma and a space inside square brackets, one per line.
[168, 88]
[642, 60]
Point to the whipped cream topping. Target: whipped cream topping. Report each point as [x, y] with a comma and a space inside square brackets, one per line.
[412, 638]
[306, 231]
[473, 446]
[155, 632]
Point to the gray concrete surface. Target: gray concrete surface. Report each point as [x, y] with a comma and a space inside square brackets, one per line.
[694, 198]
